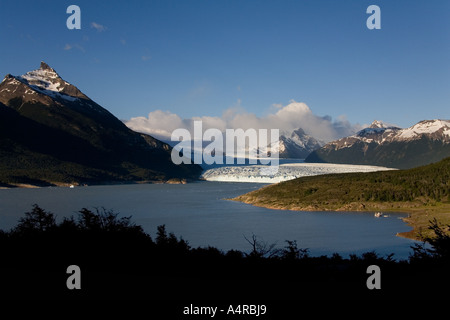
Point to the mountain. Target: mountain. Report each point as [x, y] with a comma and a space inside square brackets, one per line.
[52, 133]
[296, 146]
[299, 145]
[425, 142]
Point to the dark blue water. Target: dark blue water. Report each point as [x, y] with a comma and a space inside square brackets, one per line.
[199, 213]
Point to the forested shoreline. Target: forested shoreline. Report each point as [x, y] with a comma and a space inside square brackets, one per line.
[118, 260]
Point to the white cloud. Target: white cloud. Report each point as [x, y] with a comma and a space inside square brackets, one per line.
[98, 26]
[286, 118]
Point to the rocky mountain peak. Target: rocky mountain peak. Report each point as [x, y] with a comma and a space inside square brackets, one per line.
[298, 145]
[377, 124]
[45, 66]
[41, 84]
[298, 132]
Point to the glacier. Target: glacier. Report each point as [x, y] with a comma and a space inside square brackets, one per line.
[288, 171]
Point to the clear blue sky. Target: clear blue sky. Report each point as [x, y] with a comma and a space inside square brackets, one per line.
[197, 58]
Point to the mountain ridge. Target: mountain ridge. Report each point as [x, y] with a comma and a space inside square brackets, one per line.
[425, 142]
[298, 145]
[51, 133]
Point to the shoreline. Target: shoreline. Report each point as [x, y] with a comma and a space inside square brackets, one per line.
[100, 183]
[418, 215]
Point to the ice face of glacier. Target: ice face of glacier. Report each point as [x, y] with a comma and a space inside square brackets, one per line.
[285, 172]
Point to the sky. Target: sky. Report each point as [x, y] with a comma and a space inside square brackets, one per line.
[151, 62]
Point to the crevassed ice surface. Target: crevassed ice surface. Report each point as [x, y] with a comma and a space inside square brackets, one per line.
[270, 174]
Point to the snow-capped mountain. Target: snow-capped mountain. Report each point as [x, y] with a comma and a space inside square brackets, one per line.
[297, 145]
[379, 133]
[51, 132]
[434, 129]
[45, 86]
[425, 142]
[45, 80]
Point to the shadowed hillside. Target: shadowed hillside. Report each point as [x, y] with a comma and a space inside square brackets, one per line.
[53, 134]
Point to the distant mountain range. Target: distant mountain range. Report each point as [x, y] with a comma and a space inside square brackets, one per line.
[52, 133]
[298, 145]
[425, 142]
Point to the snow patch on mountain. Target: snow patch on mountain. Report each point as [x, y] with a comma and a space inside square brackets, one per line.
[426, 127]
[297, 145]
[45, 80]
[380, 133]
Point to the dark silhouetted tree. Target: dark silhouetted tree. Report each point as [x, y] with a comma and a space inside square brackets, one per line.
[439, 244]
[36, 221]
[261, 249]
[292, 252]
[170, 242]
[105, 220]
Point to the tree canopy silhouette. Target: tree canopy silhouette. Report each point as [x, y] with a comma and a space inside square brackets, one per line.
[119, 257]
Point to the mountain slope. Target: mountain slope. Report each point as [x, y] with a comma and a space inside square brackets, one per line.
[426, 142]
[52, 133]
[299, 145]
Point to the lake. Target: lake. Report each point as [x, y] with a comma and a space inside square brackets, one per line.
[198, 212]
